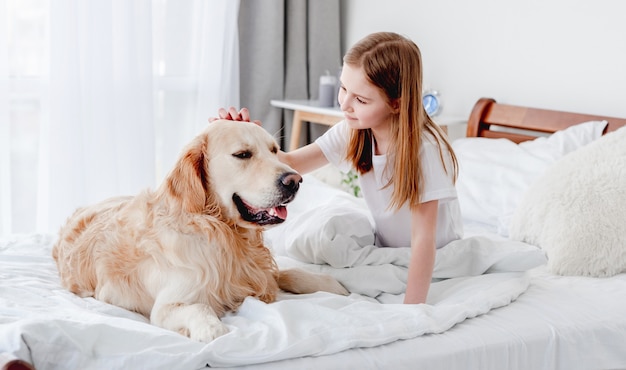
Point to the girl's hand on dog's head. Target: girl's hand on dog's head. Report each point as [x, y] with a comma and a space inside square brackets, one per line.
[234, 115]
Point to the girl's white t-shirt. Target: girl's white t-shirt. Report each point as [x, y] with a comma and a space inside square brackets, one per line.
[393, 227]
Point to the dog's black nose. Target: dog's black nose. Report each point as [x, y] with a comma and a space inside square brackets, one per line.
[290, 182]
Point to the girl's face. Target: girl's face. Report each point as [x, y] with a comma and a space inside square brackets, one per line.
[363, 104]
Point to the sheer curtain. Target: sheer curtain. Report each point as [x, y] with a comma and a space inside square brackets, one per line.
[98, 97]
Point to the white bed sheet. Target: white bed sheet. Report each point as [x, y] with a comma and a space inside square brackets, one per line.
[50, 327]
[557, 323]
[553, 323]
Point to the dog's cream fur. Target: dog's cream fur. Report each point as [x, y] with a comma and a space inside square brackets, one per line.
[192, 250]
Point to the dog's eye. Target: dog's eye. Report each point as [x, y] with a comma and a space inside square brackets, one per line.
[245, 154]
[274, 149]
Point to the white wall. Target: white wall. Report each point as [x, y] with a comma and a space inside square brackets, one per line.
[555, 54]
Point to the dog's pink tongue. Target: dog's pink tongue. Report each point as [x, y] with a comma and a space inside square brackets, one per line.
[281, 212]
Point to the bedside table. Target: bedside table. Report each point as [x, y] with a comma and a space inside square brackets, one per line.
[309, 111]
[446, 121]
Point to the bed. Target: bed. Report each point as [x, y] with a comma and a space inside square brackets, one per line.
[528, 287]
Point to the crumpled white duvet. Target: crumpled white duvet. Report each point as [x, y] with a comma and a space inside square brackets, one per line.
[53, 329]
[342, 245]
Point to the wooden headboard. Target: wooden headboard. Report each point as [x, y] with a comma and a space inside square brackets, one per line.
[494, 120]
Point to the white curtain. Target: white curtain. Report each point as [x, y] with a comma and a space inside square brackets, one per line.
[98, 97]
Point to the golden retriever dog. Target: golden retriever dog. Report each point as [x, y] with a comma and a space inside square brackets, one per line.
[190, 251]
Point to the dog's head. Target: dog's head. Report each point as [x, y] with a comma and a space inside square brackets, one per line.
[232, 169]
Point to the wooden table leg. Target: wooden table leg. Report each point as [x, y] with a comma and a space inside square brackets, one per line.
[300, 116]
[296, 130]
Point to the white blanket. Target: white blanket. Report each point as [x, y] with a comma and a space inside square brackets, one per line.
[337, 238]
[53, 329]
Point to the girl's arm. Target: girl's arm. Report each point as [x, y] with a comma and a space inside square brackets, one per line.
[305, 159]
[423, 231]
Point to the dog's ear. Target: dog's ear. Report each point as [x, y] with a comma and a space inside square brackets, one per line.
[188, 181]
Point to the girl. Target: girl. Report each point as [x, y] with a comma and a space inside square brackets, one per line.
[405, 164]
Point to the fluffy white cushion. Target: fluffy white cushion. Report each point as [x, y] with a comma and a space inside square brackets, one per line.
[576, 212]
[494, 174]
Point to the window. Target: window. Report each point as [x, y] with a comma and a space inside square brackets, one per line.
[97, 98]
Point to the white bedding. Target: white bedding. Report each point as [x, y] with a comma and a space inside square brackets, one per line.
[52, 328]
[335, 237]
[509, 317]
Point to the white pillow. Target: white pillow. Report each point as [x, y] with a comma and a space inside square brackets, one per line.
[494, 173]
[576, 212]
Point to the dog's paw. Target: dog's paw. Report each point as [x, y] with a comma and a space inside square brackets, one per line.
[196, 321]
[208, 331]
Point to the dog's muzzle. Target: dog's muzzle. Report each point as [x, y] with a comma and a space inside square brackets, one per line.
[288, 185]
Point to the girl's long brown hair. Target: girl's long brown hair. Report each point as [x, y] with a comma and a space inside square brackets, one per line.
[393, 63]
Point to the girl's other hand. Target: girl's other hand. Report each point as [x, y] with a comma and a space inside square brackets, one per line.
[234, 115]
